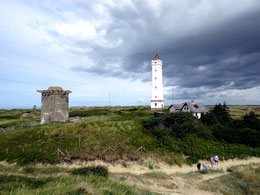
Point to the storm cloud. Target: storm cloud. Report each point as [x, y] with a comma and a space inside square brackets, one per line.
[208, 44]
[210, 49]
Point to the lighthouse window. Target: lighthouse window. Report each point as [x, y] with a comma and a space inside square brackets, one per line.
[155, 70]
[155, 87]
[155, 96]
[155, 78]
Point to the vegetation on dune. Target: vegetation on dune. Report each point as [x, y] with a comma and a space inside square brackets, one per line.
[125, 130]
[11, 118]
[243, 179]
[91, 170]
[215, 133]
[42, 181]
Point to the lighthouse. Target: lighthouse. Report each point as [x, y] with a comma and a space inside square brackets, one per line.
[157, 101]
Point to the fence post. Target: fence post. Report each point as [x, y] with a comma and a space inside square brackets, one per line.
[109, 148]
[67, 152]
[141, 149]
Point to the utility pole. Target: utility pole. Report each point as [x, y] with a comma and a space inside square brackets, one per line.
[172, 93]
[109, 98]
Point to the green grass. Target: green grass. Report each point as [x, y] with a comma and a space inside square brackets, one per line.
[156, 175]
[199, 174]
[11, 118]
[20, 181]
[120, 128]
[243, 179]
[91, 170]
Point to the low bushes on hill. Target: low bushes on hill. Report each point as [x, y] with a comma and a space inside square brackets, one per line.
[185, 134]
[223, 127]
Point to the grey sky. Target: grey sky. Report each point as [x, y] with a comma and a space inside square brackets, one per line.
[210, 49]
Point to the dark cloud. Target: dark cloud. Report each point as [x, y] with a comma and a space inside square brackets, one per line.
[211, 51]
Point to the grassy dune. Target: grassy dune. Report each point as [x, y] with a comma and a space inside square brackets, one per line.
[98, 129]
[242, 179]
[56, 180]
[50, 179]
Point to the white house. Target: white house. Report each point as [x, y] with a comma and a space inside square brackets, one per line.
[157, 101]
[196, 108]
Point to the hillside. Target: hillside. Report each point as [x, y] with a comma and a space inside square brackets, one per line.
[110, 134]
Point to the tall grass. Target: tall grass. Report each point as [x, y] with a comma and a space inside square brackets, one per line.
[242, 179]
[41, 181]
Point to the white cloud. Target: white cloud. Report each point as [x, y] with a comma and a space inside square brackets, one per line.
[79, 30]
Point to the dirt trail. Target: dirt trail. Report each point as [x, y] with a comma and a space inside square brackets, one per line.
[174, 184]
[135, 168]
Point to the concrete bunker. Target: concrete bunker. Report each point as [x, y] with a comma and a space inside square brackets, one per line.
[55, 105]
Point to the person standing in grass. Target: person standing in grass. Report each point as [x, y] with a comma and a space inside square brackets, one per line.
[205, 166]
[198, 166]
[211, 161]
[216, 159]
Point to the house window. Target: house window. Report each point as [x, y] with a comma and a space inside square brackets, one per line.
[155, 78]
[155, 96]
[155, 70]
[155, 104]
[155, 87]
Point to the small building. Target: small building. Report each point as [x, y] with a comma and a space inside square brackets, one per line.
[55, 105]
[196, 108]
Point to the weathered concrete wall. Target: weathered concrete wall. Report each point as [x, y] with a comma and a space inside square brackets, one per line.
[55, 105]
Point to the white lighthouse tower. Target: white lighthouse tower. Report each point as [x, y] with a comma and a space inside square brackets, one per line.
[157, 101]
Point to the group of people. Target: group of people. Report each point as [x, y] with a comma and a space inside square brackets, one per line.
[213, 161]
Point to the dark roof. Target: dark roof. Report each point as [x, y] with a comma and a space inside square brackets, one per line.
[196, 107]
[176, 106]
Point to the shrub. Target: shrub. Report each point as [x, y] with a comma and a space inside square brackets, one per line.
[177, 124]
[91, 170]
[210, 171]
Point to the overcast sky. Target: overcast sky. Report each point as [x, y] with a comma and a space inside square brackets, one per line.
[210, 50]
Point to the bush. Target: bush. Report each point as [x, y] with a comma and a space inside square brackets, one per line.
[210, 171]
[91, 170]
[178, 124]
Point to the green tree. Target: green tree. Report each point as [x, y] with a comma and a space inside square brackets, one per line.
[252, 121]
[222, 113]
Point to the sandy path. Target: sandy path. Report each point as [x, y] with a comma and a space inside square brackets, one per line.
[172, 185]
[135, 168]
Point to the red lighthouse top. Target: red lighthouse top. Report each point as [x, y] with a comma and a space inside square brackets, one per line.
[156, 56]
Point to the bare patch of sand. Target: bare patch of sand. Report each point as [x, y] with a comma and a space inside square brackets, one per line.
[141, 168]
